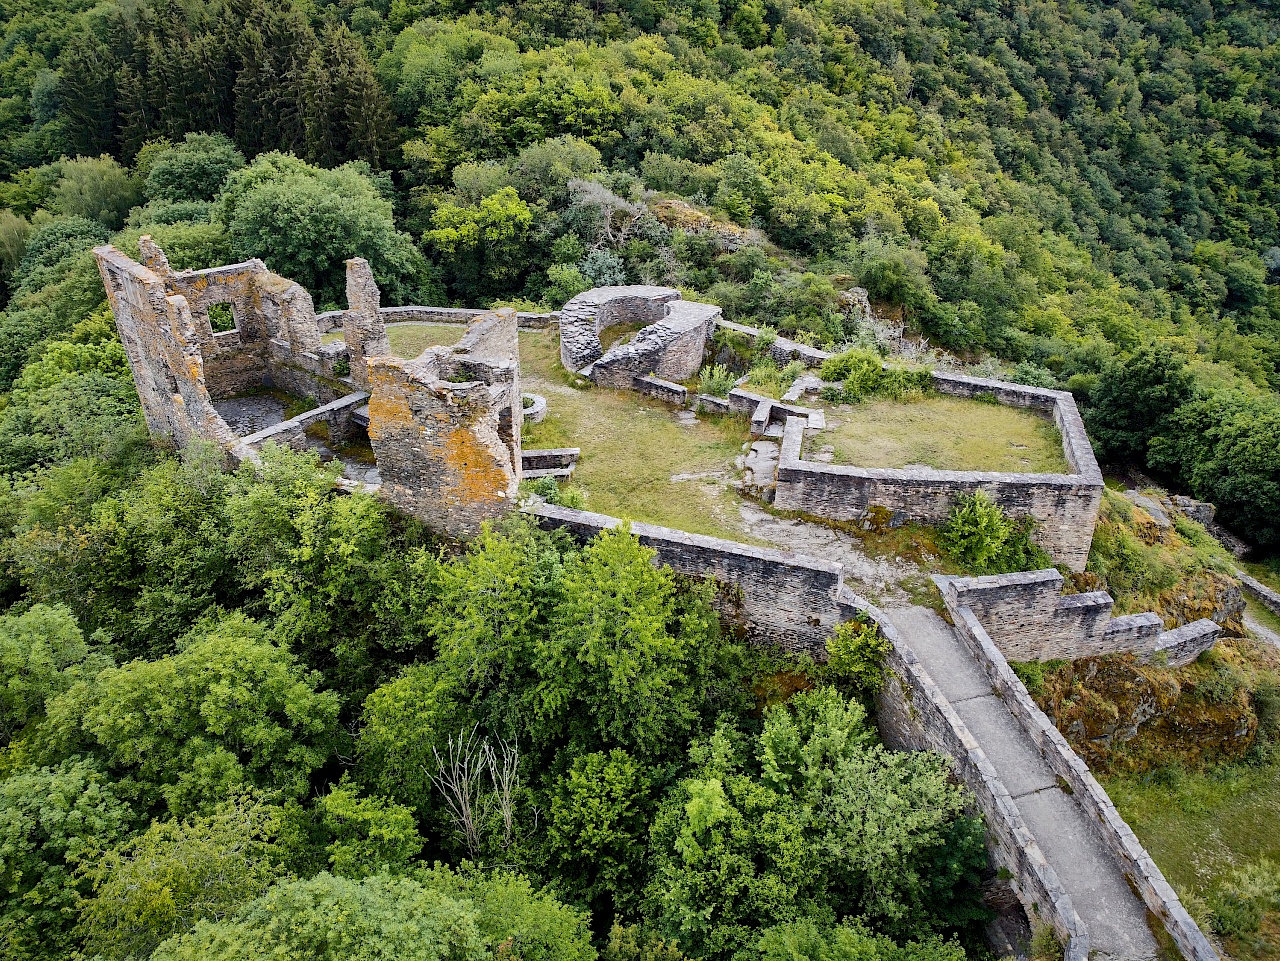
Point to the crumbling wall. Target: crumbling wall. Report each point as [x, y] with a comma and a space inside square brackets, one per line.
[1026, 617]
[445, 427]
[671, 346]
[161, 341]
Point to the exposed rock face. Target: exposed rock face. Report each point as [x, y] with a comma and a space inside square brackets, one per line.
[1122, 715]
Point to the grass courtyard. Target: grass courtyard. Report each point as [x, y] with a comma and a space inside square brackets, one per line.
[633, 447]
[409, 340]
[947, 433]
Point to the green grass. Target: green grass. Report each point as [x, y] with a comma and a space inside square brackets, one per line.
[1198, 826]
[409, 340]
[1263, 615]
[633, 446]
[947, 433]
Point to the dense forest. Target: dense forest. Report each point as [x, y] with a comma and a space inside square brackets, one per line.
[238, 711]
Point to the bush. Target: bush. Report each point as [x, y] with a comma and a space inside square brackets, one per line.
[856, 374]
[1242, 899]
[856, 653]
[716, 380]
[980, 537]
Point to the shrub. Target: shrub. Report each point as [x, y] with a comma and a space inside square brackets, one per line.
[856, 653]
[716, 380]
[979, 536]
[1242, 899]
[861, 373]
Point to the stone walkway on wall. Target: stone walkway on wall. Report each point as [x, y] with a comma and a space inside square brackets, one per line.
[1114, 915]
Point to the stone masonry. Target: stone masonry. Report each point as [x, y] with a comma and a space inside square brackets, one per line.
[1028, 619]
[1064, 506]
[669, 348]
[445, 427]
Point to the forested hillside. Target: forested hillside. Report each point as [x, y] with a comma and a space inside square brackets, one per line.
[1060, 185]
[237, 710]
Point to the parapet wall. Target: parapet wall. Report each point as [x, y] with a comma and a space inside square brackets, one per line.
[914, 715]
[1028, 619]
[1117, 838]
[1064, 506]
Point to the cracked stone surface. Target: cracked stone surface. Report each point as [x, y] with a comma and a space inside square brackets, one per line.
[878, 576]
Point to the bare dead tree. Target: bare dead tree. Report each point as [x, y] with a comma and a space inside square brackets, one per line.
[460, 779]
[504, 773]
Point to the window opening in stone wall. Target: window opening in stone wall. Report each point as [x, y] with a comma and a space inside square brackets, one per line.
[221, 318]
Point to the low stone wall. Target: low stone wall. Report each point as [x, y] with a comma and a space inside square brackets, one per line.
[1259, 592]
[781, 350]
[774, 597]
[1110, 828]
[1064, 506]
[659, 389]
[914, 715]
[1028, 619]
[292, 433]
[527, 320]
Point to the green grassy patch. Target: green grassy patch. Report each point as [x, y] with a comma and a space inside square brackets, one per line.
[632, 447]
[947, 433]
[1199, 826]
[409, 340]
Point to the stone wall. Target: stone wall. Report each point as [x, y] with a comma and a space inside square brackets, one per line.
[914, 715]
[1028, 619]
[445, 427]
[774, 597]
[162, 343]
[1064, 506]
[670, 346]
[1259, 592]
[1110, 828]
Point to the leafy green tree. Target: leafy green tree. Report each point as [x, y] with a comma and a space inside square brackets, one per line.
[483, 247]
[613, 665]
[404, 720]
[176, 873]
[832, 826]
[54, 821]
[195, 169]
[371, 835]
[515, 919]
[855, 655]
[230, 710]
[96, 188]
[494, 604]
[328, 918]
[597, 829]
[305, 222]
[41, 654]
[851, 941]
[1132, 400]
